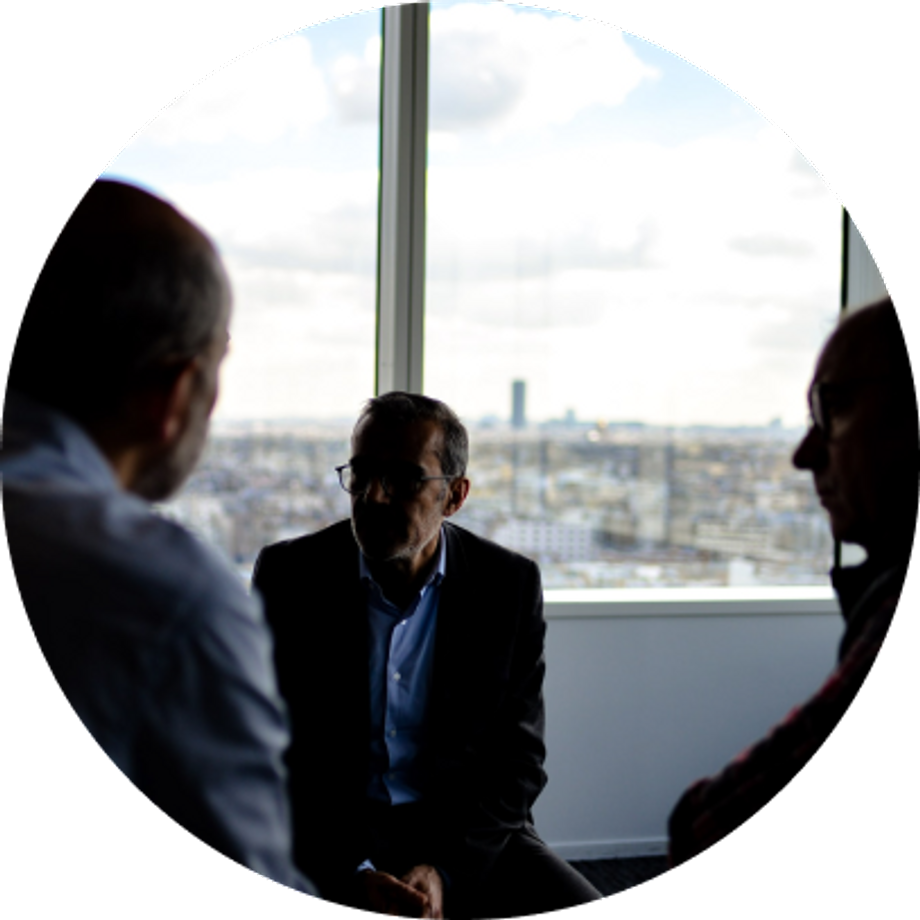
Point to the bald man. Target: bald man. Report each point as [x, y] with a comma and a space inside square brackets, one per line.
[862, 450]
[156, 645]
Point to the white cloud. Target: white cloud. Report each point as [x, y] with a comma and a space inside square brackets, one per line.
[275, 90]
[298, 217]
[618, 206]
[515, 70]
[300, 246]
[303, 344]
[504, 68]
[577, 267]
[354, 83]
[580, 270]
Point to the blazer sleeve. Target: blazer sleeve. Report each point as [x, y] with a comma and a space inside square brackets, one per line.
[270, 582]
[306, 587]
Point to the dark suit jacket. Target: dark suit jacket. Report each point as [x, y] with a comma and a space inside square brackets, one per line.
[485, 749]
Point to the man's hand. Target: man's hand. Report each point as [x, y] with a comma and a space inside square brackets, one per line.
[420, 893]
[428, 881]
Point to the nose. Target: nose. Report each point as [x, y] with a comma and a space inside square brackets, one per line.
[375, 492]
[811, 454]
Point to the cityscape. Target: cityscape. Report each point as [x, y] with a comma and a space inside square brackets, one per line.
[596, 505]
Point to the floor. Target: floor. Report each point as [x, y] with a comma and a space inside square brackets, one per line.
[610, 876]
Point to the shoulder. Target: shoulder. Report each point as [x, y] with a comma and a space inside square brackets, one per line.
[491, 590]
[328, 539]
[120, 596]
[207, 578]
[475, 549]
[191, 589]
[327, 550]
[111, 546]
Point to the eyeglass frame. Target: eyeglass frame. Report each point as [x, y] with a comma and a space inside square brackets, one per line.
[388, 489]
[820, 417]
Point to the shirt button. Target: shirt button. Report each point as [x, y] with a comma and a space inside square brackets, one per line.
[392, 732]
[396, 675]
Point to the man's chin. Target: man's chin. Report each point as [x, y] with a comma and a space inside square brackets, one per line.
[159, 483]
[375, 548]
[380, 553]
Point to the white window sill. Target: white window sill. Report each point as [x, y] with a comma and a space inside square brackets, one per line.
[682, 602]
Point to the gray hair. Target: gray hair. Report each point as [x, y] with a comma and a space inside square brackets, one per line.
[400, 408]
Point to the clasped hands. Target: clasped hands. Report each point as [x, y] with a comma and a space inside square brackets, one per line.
[419, 893]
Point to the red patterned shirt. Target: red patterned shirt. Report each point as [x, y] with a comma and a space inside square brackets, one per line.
[832, 770]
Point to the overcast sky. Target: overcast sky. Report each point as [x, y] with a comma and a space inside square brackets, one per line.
[605, 221]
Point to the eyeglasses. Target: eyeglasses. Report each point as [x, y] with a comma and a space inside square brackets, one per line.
[396, 481]
[828, 399]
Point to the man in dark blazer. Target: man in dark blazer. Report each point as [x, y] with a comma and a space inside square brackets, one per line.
[410, 654]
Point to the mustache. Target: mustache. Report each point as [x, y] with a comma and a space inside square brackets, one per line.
[376, 515]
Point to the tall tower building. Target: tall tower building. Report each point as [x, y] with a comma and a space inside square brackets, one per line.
[518, 413]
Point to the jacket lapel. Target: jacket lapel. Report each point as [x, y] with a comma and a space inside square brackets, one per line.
[348, 639]
[450, 679]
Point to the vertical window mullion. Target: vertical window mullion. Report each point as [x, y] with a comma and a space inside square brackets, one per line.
[861, 284]
[862, 281]
[401, 221]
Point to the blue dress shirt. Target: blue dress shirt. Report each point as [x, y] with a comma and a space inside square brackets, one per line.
[401, 655]
[154, 641]
[401, 659]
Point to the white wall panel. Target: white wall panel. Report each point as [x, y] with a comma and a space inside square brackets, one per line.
[640, 705]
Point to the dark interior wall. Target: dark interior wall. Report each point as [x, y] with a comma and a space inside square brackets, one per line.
[78, 80]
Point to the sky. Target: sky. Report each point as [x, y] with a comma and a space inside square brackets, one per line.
[605, 221]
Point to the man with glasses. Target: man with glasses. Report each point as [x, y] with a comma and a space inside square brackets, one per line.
[410, 653]
[862, 450]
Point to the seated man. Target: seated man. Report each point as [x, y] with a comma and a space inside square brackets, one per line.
[862, 449]
[410, 653]
[153, 640]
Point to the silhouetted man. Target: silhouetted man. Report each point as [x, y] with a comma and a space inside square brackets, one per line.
[862, 449]
[410, 653]
[154, 642]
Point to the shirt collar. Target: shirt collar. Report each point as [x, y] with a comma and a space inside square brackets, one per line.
[38, 439]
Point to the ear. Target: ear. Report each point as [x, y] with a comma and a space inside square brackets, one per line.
[458, 489]
[164, 405]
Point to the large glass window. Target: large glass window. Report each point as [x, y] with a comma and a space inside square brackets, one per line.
[629, 273]
[276, 155]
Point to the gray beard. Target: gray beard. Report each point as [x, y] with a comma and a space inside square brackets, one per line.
[165, 475]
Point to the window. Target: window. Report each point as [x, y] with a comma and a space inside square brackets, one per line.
[613, 241]
[652, 267]
[276, 156]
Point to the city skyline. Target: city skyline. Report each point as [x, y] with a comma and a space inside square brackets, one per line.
[625, 506]
[506, 416]
[490, 420]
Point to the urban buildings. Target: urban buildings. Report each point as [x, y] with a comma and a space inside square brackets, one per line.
[616, 505]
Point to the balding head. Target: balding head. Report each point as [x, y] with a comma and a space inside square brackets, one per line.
[130, 291]
[869, 342]
[863, 448]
